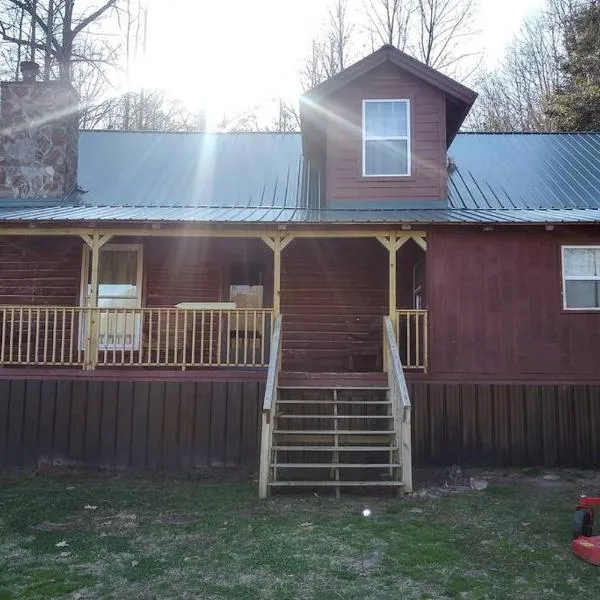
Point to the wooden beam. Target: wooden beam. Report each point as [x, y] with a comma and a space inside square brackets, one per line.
[88, 239]
[401, 240]
[384, 241]
[286, 240]
[392, 277]
[268, 240]
[277, 276]
[199, 231]
[420, 241]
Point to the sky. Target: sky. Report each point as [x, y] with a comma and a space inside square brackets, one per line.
[225, 55]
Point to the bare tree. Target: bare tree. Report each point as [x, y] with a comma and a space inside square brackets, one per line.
[514, 97]
[435, 32]
[445, 29]
[60, 25]
[388, 22]
[331, 50]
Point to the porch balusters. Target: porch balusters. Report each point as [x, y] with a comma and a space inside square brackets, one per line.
[91, 337]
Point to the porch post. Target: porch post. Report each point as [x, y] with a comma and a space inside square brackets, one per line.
[276, 276]
[392, 278]
[95, 243]
[277, 243]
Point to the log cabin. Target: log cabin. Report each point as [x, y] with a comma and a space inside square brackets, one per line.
[330, 307]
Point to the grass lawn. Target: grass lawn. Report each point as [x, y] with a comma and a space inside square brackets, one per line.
[178, 537]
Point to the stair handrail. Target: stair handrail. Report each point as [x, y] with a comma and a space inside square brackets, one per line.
[400, 398]
[267, 409]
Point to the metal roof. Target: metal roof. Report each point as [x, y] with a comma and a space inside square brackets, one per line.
[257, 177]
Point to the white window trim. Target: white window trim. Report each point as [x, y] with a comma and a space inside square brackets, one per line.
[566, 278]
[85, 261]
[85, 274]
[407, 138]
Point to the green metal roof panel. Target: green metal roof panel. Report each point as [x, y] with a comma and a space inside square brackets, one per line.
[257, 177]
[189, 169]
[533, 171]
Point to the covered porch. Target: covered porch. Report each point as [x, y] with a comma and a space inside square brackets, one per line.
[152, 299]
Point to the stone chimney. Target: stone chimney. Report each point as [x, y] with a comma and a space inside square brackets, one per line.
[39, 122]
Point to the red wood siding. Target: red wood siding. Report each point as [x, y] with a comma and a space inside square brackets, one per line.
[344, 179]
[334, 294]
[40, 270]
[495, 306]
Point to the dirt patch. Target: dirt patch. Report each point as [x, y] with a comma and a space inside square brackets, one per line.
[119, 521]
[52, 527]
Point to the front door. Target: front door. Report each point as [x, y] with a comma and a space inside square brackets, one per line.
[119, 287]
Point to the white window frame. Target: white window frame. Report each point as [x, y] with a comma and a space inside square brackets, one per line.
[566, 278]
[406, 138]
[84, 298]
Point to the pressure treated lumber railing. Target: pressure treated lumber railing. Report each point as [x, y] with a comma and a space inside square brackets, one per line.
[400, 399]
[411, 333]
[268, 409]
[136, 337]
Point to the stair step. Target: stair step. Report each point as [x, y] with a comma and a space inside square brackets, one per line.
[334, 448]
[339, 388]
[313, 416]
[332, 401]
[331, 432]
[336, 483]
[336, 465]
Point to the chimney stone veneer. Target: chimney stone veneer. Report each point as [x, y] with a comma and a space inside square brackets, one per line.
[39, 124]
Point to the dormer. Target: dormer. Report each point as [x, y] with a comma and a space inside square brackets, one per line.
[378, 132]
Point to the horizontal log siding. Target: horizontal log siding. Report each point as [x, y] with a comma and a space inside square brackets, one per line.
[198, 270]
[506, 425]
[333, 298]
[40, 270]
[344, 180]
[47, 270]
[114, 424]
[495, 306]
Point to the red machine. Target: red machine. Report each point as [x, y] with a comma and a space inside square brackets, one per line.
[585, 545]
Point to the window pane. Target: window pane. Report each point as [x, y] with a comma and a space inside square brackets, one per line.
[386, 158]
[386, 119]
[117, 266]
[582, 294]
[582, 261]
[117, 296]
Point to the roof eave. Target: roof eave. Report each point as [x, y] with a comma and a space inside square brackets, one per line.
[400, 59]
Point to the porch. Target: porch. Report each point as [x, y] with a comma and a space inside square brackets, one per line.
[158, 302]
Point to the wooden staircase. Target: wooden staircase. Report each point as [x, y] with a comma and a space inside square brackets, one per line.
[334, 437]
[331, 431]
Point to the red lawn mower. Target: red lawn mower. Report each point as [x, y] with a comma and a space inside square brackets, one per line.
[585, 545]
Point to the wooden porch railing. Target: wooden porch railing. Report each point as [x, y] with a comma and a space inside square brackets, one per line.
[268, 409]
[140, 337]
[401, 405]
[411, 333]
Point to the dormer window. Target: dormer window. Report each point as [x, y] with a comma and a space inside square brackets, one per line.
[386, 138]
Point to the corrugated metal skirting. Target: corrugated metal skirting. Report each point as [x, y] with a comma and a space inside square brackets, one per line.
[154, 425]
[181, 426]
[505, 425]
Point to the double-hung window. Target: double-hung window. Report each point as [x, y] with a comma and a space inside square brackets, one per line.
[581, 277]
[386, 138]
